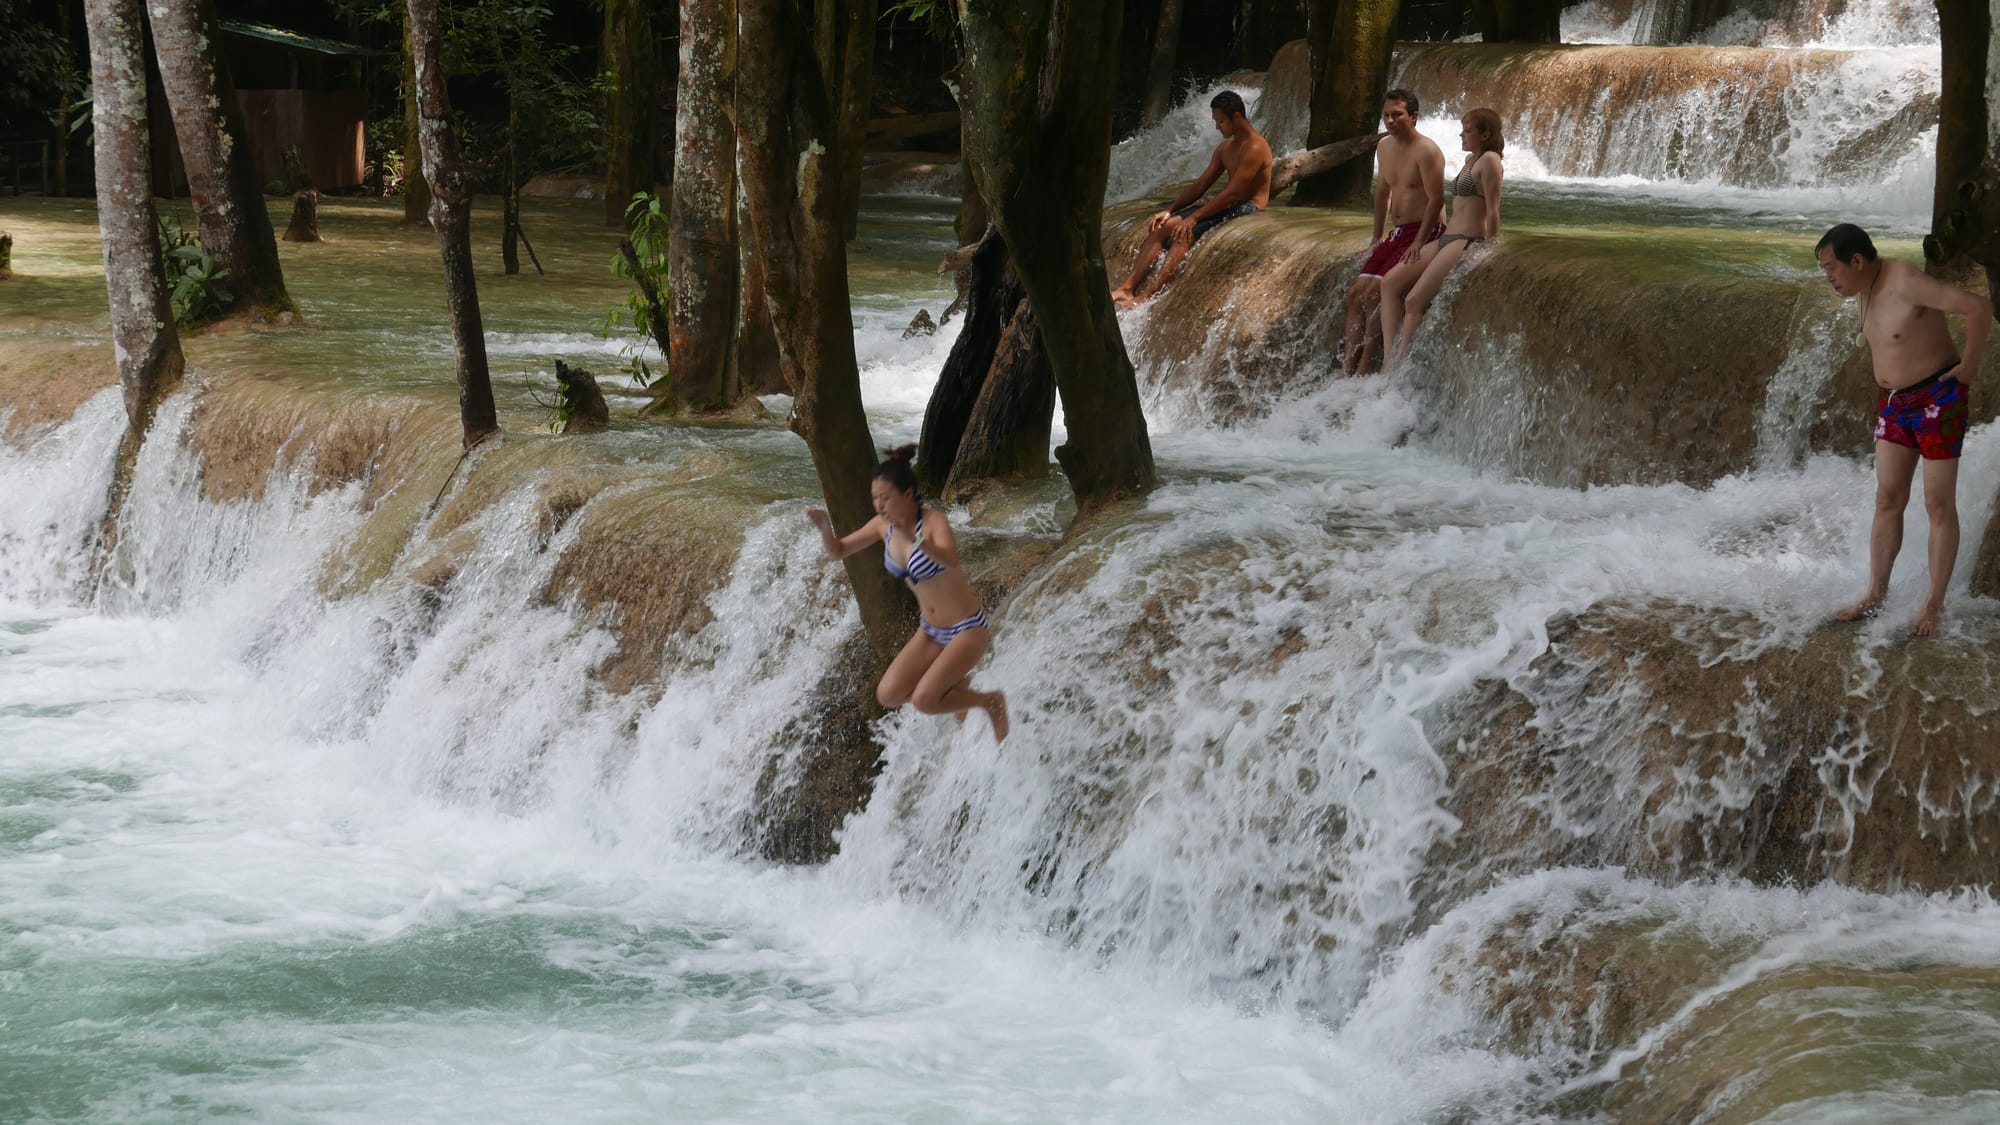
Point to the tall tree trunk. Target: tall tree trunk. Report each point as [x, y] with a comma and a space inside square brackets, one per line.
[1037, 86]
[990, 414]
[704, 286]
[416, 189]
[63, 97]
[215, 146]
[632, 71]
[1160, 75]
[1349, 43]
[970, 225]
[791, 182]
[857, 92]
[1965, 224]
[142, 319]
[451, 217]
[510, 201]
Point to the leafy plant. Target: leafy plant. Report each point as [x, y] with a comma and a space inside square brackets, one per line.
[194, 281]
[646, 229]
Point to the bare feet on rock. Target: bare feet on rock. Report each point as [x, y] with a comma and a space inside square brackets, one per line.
[1926, 624]
[1862, 610]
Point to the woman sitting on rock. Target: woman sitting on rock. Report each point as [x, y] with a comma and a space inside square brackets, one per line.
[932, 670]
[1409, 289]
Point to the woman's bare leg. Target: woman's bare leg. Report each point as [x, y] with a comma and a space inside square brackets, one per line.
[905, 672]
[944, 688]
[1395, 284]
[1418, 301]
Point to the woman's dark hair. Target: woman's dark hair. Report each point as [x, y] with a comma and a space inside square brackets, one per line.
[1230, 103]
[1488, 124]
[1847, 240]
[896, 470]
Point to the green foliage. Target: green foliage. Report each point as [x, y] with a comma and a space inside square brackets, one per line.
[384, 143]
[932, 17]
[38, 69]
[551, 119]
[646, 227]
[194, 282]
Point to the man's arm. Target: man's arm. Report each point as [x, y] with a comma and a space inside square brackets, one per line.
[1251, 175]
[1931, 293]
[1430, 166]
[1193, 191]
[1381, 199]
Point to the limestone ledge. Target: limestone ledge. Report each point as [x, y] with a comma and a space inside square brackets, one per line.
[1593, 355]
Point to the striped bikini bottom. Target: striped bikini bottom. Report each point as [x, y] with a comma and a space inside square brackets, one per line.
[943, 634]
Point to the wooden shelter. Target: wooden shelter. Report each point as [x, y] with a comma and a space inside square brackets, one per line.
[300, 94]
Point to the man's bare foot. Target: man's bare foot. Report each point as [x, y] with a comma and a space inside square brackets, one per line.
[1926, 624]
[997, 711]
[1861, 610]
[1122, 297]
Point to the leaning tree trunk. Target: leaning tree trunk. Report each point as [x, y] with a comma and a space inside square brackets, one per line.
[451, 217]
[1160, 76]
[791, 182]
[215, 146]
[1965, 224]
[1037, 86]
[142, 320]
[703, 283]
[628, 120]
[416, 189]
[990, 414]
[1349, 43]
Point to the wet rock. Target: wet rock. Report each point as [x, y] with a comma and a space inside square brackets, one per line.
[921, 325]
[583, 408]
[6, 256]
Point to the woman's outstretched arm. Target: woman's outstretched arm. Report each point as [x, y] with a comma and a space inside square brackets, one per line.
[839, 547]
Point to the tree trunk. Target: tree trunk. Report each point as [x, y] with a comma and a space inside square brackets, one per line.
[757, 365]
[305, 218]
[1965, 225]
[993, 293]
[791, 182]
[416, 189]
[628, 119]
[451, 217]
[142, 320]
[1160, 76]
[1008, 436]
[215, 147]
[1288, 170]
[1349, 42]
[702, 268]
[510, 201]
[857, 92]
[6, 256]
[63, 96]
[970, 226]
[1538, 21]
[1036, 88]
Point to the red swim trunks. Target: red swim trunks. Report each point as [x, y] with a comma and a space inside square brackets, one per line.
[1390, 250]
[1927, 416]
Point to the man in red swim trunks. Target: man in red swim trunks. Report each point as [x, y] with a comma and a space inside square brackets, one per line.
[1921, 413]
[1409, 192]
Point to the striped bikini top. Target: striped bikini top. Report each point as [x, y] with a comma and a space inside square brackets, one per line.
[921, 566]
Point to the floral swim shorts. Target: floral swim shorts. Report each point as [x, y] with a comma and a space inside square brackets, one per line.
[1928, 416]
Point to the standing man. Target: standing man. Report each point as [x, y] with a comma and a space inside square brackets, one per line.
[1244, 154]
[1922, 411]
[1409, 193]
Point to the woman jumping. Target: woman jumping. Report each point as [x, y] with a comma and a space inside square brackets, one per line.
[918, 546]
[1407, 290]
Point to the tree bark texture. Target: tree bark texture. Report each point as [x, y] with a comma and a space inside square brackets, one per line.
[703, 281]
[757, 363]
[222, 175]
[628, 117]
[1288, 170]
[416, 189]
[992, 295]
[451, 217]
[1349, 43]
[1965, 226]
[1036, 87]
[147, 346]
[1160, 75]
[791, 183]
[857, 92]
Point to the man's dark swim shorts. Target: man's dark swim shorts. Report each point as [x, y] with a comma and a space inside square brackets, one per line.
[1217, 219]
[1928, 417]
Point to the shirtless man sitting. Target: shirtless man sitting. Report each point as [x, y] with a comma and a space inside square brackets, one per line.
[1409, 193]
[1921, 413]
[1244, 154]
